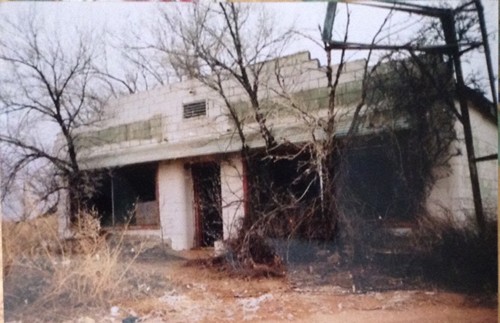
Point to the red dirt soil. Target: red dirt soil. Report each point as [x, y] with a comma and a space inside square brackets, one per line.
[205, 295]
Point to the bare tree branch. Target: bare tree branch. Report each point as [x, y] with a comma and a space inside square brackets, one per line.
[54, 85]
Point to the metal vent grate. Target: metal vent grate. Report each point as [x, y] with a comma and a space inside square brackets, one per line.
[194, 109]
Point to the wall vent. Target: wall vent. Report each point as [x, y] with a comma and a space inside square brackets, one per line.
[194, 109]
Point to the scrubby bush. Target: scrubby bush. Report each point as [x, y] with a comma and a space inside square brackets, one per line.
[459, 257]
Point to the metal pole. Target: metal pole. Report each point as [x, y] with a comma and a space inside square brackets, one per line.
[487, 52]
[448, 22]
[329, 19]
[112, 201]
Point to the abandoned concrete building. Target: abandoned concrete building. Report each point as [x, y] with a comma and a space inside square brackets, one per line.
[163, 152]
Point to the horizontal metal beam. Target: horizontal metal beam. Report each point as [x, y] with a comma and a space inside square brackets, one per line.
[410, 8]
[485, 158]
[428, 49]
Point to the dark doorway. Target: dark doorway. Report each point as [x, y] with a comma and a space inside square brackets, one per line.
[208, 205]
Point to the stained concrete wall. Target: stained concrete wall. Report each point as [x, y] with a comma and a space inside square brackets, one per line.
[452, 194]
[177, 217]
[232, 195]
[149, 126]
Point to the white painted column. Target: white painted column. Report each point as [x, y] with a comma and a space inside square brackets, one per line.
[176, 205]
[232, 195]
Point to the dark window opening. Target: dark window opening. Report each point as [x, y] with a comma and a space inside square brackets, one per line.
[127, 196]
[377, 180]
[287, 191]
[194, 109]
[208, 204]
[292, 178]
[373, 178]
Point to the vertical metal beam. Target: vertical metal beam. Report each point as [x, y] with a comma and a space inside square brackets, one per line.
[112, 201]
[448, 22]
[329, 19]
[487, 52]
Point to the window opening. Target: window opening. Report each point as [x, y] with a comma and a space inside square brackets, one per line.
[128, 196]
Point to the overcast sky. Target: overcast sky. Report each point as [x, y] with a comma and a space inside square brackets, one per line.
[123, 17]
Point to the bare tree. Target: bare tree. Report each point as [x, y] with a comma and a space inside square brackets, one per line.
[48, 88]
[143, 69]
[218, 44]
[228, 46]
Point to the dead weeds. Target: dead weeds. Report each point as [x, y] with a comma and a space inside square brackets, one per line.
[88, 271]
[143, 278]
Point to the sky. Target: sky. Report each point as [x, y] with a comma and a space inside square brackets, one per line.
[121, 18]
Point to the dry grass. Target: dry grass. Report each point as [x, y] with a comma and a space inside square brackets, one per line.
[44, 272]
[27, 239]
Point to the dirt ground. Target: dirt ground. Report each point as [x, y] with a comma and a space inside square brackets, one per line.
[171, 291]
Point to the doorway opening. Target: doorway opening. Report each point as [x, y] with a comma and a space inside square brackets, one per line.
[208, 204]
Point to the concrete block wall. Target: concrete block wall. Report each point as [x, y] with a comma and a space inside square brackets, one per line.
[452, 192]
[305, 84]
[232, 195]
[125, 117]
[149, 129]
[176, 204]
[298, 73]
[486, 143]
[154, 117]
